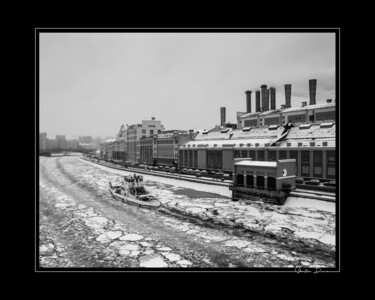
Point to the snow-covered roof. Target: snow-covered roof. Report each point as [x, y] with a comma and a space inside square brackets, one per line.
[272, 164]
[246, 115]
[230, 143]
[110, 141]
[314, 131]
[307, 107]
[269, 112]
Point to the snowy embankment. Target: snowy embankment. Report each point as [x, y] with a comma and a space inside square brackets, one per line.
[297, 219]
[208, 188]
[292, 202]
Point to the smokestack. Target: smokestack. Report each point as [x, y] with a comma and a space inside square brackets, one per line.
[288, 95]
[312, 88]
[273, 98]
[248, 101]
[257, 101]
[267, 107]
[264, 97]
[222, 116]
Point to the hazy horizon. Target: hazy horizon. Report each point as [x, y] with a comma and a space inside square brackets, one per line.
[92, 83]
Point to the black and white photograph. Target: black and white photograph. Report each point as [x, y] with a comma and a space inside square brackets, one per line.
[187, 150]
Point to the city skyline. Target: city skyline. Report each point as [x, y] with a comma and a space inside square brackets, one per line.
[92, 83]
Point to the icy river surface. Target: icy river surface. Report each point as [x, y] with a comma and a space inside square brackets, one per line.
[198, 226]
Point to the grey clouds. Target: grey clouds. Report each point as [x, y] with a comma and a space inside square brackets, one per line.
[91, 83]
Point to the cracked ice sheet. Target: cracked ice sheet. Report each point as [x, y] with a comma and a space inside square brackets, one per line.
[298, 214]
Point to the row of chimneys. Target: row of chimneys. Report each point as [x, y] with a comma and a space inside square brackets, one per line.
[271, 93]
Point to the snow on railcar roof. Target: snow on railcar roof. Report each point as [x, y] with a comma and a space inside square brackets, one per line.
[257, 163]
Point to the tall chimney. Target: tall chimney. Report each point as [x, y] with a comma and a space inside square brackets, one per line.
[264, 99]
[222, 116]
[267, 106]
[257, 101]
[273, 98]
[288, 95]
[312, 88]
[248, 101]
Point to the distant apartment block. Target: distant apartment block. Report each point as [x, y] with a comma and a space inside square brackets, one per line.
[42, 141]
[85, 139]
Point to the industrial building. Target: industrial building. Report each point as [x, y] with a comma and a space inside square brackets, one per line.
[312, 145]
[162, 149]
[126, 146]
[306, 134]
[266, 114]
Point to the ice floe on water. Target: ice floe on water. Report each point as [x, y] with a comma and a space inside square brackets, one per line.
[131, 237]
[108, 236]
[152, 261]
[305, 218]
[96, 222]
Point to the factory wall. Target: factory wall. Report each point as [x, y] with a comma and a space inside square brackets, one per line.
[311, 162]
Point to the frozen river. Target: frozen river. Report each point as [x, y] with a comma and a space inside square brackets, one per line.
[81, 225]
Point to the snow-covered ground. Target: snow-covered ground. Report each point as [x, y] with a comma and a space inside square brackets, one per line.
[293, 202]
[208, 188]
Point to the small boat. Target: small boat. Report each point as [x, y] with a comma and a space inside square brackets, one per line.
[133, 192]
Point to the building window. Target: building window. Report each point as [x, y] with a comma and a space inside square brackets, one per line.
[261, 155]
[151, 131]
[272, 155]
[252, 154]
[282, 154]
[143, 130]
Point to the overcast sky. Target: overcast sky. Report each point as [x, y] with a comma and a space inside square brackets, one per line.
[92, 83]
